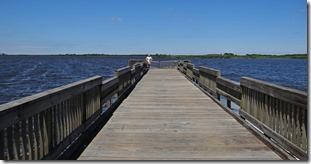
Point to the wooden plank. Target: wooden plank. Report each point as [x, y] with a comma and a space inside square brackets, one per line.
[24, 141]
[2, 150]
[166, 117]
[10, 143]
[17, 142]
[30, 139]
[35, 136]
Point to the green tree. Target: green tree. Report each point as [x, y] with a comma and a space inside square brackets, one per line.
[229, 54]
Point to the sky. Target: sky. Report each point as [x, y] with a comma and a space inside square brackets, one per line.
[176, 27]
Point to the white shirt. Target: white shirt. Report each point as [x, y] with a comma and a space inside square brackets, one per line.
[149, 59]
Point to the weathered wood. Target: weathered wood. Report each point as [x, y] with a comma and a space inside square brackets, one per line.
[182, 65]
[286, 94]
[124, 76]
[277, 137]
[196, 75]
[280, 112]
[281, 109]
[122, 71]
[189, 72]
[233, 85]
[167, 118]
[209, 71]
[40, 122]
[208, 78]
[132, 62]
[17, 141]
[165, 64]
[136, 72]
[17, 110]
[228, 96]
[2, 149]
[230, 89]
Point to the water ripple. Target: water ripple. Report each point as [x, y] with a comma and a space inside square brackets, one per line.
[25, 75]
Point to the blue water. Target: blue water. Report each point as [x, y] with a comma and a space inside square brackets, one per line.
[285, 72]
[22, 76]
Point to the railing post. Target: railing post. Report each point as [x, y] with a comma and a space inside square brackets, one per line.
[228, 103]
[179, 65]
[124, 75]
[218, 96]
[208, 78]
[189, 72]
[132, 62]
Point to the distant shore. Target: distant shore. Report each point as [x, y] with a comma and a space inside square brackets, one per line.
[225, 55]
[230, 55]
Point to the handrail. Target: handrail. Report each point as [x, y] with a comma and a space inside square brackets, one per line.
[229, 89]
[54, 123]
[32, 127]
[279, 112]
[164, 64]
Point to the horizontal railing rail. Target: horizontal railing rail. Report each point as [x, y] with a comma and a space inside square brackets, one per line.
[54, 123]
[229, 89]
[164, 64]
[279, 112]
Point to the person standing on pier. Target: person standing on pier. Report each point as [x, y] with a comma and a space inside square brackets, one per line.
[149, 60]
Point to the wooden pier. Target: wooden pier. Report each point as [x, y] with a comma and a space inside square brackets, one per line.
[167, 118]
[172, 112]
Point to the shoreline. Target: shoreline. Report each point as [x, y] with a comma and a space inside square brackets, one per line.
[211, 56]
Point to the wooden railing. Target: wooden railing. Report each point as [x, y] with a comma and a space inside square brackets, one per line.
[207, 79]
[164, 64]
[53, 124]
[279, 112]
[231, 90]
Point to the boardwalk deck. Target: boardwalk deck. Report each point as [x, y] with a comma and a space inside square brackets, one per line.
[167, 118]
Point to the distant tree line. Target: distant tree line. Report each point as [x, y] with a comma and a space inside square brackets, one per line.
[84, 55]
[232, 55]
[225, 55]
[289, 56]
